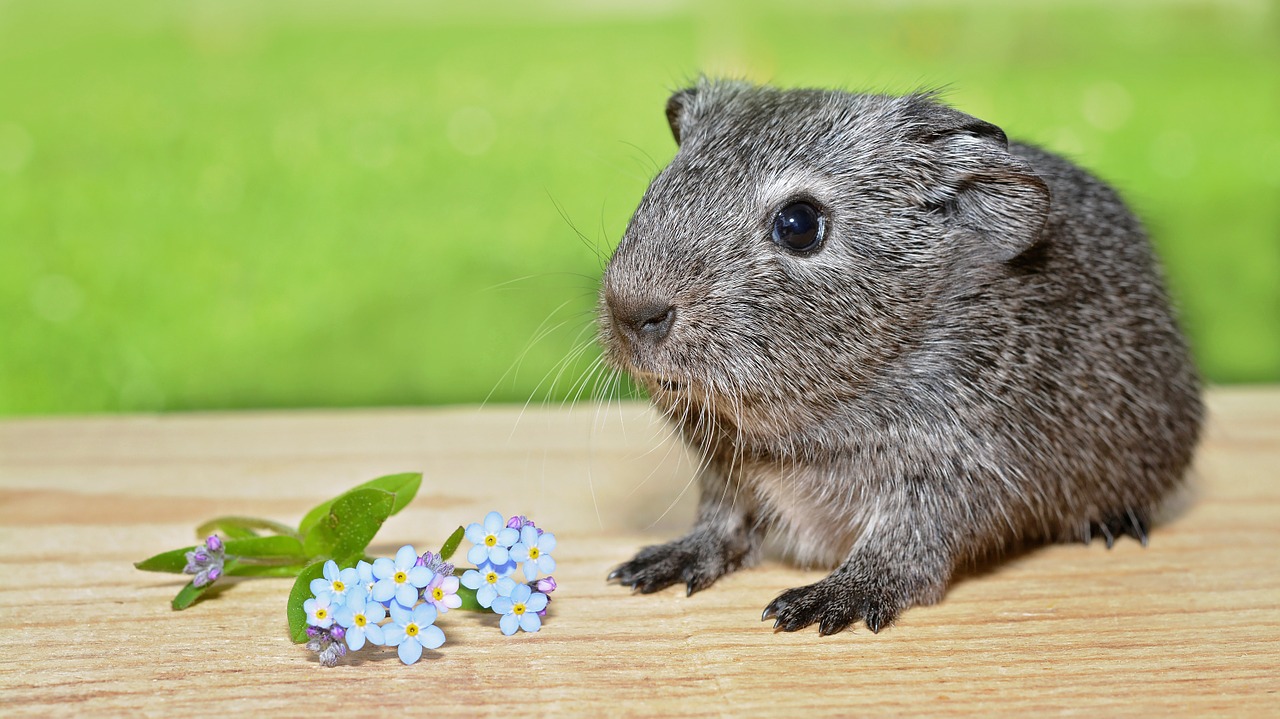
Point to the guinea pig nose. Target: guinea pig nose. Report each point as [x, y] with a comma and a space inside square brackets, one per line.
[648, 321]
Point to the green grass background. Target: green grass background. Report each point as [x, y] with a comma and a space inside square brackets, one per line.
[233, 203]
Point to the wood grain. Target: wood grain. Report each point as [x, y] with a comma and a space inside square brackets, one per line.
[1188, 626]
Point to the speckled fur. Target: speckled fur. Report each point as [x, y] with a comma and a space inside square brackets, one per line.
[979, 356]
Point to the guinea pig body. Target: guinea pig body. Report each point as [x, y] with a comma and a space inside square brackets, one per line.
[895, 340]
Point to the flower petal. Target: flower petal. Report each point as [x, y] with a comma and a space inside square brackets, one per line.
[499, 555]
[478, 554]
[451, 601]
[485, 595]
[519, 552]
[431, 637]
[509, 624]
[529, 535]
[349, 576]
[474, 533]
[547, 542]
[392, 635]
[410, 651]
[331, 570]
[345, 616]
[375, 613]
[400, 615]
[375, 633]
[537, 602]
[450, 585]
[471, 579]
[506, 585]
[520, 593]
[406, 557]
[424, 614]
[530, 570]
[383, 568]
[420, 576]
[546, 564]
[508, 537]
[355, 639]
[503, 605]
[493, 522]
[530, 622]
[382, 591]
[320, 585]
[406, 594]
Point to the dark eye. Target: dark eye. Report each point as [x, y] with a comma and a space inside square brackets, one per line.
[799, 227]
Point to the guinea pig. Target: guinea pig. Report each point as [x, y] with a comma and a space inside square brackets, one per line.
[900, 342]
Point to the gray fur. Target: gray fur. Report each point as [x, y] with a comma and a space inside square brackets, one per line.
[979, 356]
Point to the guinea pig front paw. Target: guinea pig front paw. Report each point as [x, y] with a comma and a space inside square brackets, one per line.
[697, 560]
[833, 603]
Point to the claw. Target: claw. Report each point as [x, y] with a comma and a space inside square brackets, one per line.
[769, 611]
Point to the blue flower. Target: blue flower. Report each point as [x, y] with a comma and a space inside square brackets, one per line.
[520, 610]
[534, 552]
[364, 571]
[489, 585]
[336, 582]
[319, 612]
[491, 541]
[401, 579]
[412, 631]
[360, 618]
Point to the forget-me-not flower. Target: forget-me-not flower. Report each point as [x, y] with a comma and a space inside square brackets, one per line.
[360, 618]
[410, 631]
[400, 579]
[520, 610]
[533, 552]
[336, 582]
[442, 592]
[492, 541]
[489, 585]
[319, 611]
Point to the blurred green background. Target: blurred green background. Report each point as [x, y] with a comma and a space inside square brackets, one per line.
[236, 203]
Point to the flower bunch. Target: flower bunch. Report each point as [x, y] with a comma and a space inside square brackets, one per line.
[396, 602]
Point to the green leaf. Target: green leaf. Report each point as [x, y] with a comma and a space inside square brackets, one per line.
[236, 569]
[404, 486]
[189, 594]
[350, 524]
[300, 593]
[451, 544]
[469, 603]
[278, 546]
[243, 527]
[174, 561]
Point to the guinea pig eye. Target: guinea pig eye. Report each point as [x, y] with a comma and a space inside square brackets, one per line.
[799, 227]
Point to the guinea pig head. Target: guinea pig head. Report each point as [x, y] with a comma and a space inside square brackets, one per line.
[799, 245]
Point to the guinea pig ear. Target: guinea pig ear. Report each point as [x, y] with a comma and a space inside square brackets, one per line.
[676, 106]
[983, 187]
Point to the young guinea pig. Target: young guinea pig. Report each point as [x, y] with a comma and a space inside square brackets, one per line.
[895, 339]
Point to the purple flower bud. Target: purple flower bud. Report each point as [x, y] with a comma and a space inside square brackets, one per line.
[546, 585]
[519, 522]
[314, 632]
[200, 556]
[337, 632]
[214, 573]
[214, 543]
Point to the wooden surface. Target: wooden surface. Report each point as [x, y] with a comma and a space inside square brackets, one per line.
[1188, 626]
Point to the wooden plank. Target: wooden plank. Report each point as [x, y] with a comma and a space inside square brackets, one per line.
[1188, 626]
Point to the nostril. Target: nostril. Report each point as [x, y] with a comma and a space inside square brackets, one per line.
[659, 322]
[648, 321]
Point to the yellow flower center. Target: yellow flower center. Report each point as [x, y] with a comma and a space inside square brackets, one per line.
[491, 577]
[361, 620]
[321, 613]
[533, 552]
[437, 594]
[491, 541]
[411, 630]
[339, 587]
[517, 609]
[401, 577]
